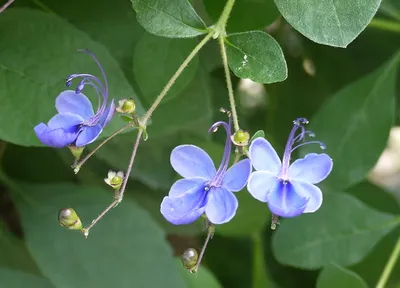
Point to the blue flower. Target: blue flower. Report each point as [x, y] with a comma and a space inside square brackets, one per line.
[76, 123]
[288, 188]
[204, 189]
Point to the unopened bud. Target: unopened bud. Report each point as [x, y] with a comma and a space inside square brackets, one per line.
[189, 258]
[114, 179]
[126, 106]
[241, 138]
[68, 218]
[76, 151]
[309, 67]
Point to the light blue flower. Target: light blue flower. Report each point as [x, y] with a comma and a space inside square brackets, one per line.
[288, 188]
[76, 124]
[204, 189]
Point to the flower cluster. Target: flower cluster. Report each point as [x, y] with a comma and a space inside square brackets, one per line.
[76, 124]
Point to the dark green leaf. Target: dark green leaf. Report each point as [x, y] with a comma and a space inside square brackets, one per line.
[175, 19]
[368, 109]
[334, 276]
[34, 77]
[343, 231]
[203, 278]
[257, 56]
[258, 134]
[334, 23]
[126, 246]
[155, 62]
[17, 279]
[246, 15]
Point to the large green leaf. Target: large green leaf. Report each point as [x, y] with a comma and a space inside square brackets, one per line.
[257, 56]
[175, 19]
[355, 124]
[203, 278]
[333, 276]
[246, 15]
[343, 231]
[156, 60]
[126, 246]
[31, 77]
[334, 23]
[17, 279]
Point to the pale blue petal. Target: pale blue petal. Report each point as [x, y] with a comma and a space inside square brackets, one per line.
[191, 161]
[70, 102]
[57, 138]
[108, 114]
[263, 156]
[66, 121]
[88, 135]
[176, 217]
[221, 206]
[310, 191]
[284, 201]
[312, 168]
[260, 184]
[188, 194]
[236, 177]
[183, 185]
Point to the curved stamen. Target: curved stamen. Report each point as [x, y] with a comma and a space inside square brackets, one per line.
[321, 145]
[302, 135]
[85, 76]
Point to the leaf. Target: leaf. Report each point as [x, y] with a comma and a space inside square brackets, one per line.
[155, 62]
[34, 77]
[17, 279]
[203, 278]
[246, 15]
[367, 107]
[174, 19]
[333, 23]
[125, 246]
[333, 276]
[258, 134]
[257, 56]
[343, 231]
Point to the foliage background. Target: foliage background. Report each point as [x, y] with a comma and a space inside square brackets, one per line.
[349, 94]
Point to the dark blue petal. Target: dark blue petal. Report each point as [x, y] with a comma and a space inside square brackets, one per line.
[312, 168]
[284, 201]
[88, 135]
[70, 102]
[221, 205]
[107, 114]
[236, 177]
[191, 161]
[263, 156]
[310, 191]
[178, 218]
[57, 138]
[261, 183]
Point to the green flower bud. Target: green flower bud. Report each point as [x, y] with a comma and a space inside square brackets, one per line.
[241, 138]
[68, 218]
[189, 258]
[126, 106]
[114, 179]
[76, 151]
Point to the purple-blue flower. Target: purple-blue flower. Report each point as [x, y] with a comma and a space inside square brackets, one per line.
[288, 188]
[204, 189]
[76, 123]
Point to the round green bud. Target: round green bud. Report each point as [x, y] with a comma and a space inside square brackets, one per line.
[115, 179]
[68, 218]
[241, 138]
[126, 106]
[189, 258]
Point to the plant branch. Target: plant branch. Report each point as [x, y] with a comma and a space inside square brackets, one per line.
[4, 7]
[389, 265]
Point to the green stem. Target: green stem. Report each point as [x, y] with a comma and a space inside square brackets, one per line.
[389, 265]
[386, 25]
[223, 19]
[174, 77]
[44, 7]
[4, 7]
[260, 278]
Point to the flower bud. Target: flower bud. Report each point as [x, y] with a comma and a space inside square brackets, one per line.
[189, 258]
[68, 218]
[309, 67]
[241, 138]
[76, 151]
[126, 106]
[114, 179]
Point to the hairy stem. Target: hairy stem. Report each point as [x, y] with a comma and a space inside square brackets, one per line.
[223, 19]
[389, 265]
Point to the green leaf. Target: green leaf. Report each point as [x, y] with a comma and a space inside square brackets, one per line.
[246, 15]
[34, 77]
[258, 134]
[155, 62]
[333, 276]
[17, 279]
[368, 108]
[125, 246]
[257, 56]
[334, 23]
[203, 278]
[175, 19]
[343, 231]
